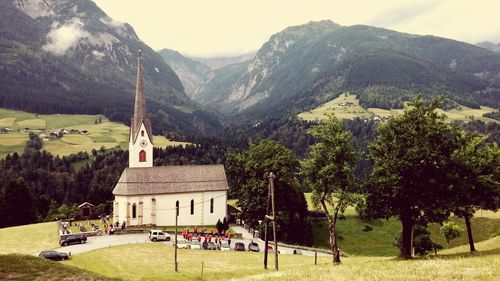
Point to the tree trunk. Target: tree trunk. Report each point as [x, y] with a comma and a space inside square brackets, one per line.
[469, 233]
[407, 222]
[331, 229]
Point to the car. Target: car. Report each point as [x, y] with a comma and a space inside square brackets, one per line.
[158, 235]
[54, 255]
[225, 246]
[297, 252]
[72, 239]
[182, 244]
[239, 246]
[271, 249]
[211, 246]
[253, 247]
[195, 245]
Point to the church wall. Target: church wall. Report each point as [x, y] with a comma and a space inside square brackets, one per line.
[165, 208]
[142, 143]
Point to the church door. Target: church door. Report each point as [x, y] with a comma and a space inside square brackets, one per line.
[140, 213]
[153, 211]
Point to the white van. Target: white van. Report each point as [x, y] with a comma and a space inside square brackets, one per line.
[158, 235]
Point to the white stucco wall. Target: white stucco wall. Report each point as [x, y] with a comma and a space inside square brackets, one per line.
[165, 208]
[134, 149]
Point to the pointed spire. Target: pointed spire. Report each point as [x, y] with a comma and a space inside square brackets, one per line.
[140, 111]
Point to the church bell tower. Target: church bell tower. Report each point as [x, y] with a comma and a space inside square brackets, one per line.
[140, 148]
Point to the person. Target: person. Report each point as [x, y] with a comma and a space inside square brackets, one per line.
[195, 230]
[199, 238]
[123, 225]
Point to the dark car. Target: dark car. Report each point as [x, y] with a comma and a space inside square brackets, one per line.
[239, 246]
[73, 239]
[54, 255]
[253, 247]
[211, 246]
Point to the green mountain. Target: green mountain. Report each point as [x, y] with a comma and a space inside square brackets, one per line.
[191, 72]
[307, 65]
[70, 57]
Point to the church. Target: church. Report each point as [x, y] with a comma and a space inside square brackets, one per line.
[147, 195]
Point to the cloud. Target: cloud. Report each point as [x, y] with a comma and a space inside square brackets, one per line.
[63, 37]
[403, 13]
[112, 23]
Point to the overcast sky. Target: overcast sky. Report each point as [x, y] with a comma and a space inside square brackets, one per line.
[226, 27]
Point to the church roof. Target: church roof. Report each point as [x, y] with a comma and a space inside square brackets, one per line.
[171, 179]
[140, 111]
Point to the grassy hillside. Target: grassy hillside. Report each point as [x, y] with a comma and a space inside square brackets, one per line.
[18, 267]
[28, 239]
[107, 134]
[155, 261]
[355, 239]
[353, 110]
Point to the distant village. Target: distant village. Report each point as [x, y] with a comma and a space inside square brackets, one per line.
[46, 134]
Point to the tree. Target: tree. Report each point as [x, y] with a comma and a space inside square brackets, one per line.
[450, 231]
[476, 178]
[411, 156]
[15, 204]
[246, 174]
[330, 172]
[422, 241]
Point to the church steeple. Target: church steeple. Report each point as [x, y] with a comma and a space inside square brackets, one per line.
[141, 134]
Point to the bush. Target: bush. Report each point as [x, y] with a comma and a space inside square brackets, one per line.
[422, 241]
[450, 230]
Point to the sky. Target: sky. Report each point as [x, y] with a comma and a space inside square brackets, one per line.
[208, 28]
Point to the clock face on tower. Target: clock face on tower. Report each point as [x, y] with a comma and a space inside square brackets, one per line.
[144, 143]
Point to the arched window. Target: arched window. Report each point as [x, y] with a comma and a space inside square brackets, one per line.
[192, 207]
[142, 156]
[211, 206]
[142, 133]
[177, 207]
[134, 211]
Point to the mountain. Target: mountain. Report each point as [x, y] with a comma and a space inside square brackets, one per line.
[490, 46]
[191, 72]
[307, 65]
[222, 61]
[63, 56]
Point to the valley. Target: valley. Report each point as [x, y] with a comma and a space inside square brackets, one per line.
[101, 133]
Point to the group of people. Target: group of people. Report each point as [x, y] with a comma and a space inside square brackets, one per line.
[206, 236]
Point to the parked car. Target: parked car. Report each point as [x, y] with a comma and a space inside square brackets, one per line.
[158, 235]
[54, 255]
[253, 247]
[271, 249]
[297, 252]
[239, 246]
[182, 244]
[211, 246]
[225, 246]
[195, 245]
[72, 239]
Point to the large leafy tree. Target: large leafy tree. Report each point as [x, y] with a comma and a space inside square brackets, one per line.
[411, 156]
[330, 172]
[475, 176]
[247, 173]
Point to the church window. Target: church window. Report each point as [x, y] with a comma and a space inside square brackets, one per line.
[142, 156]
[192, 207]
[134, 211]
[142, 133]
[211, 206]
[177, 207]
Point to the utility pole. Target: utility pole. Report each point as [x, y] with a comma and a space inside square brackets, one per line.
[175, 238]
[271, 179]
[266, 239]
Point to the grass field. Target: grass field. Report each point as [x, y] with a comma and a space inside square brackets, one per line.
[155, 262]
[21, 267]
[107, 134]
[349, 112]
[28, 239]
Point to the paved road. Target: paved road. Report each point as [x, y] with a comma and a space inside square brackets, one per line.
[104, 241]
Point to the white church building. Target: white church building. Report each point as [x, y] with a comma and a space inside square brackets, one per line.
[147, 195]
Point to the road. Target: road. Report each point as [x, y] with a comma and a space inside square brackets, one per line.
[104, 241]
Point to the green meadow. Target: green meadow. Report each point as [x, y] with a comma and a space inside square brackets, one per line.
[108, 134]
[354, 110]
